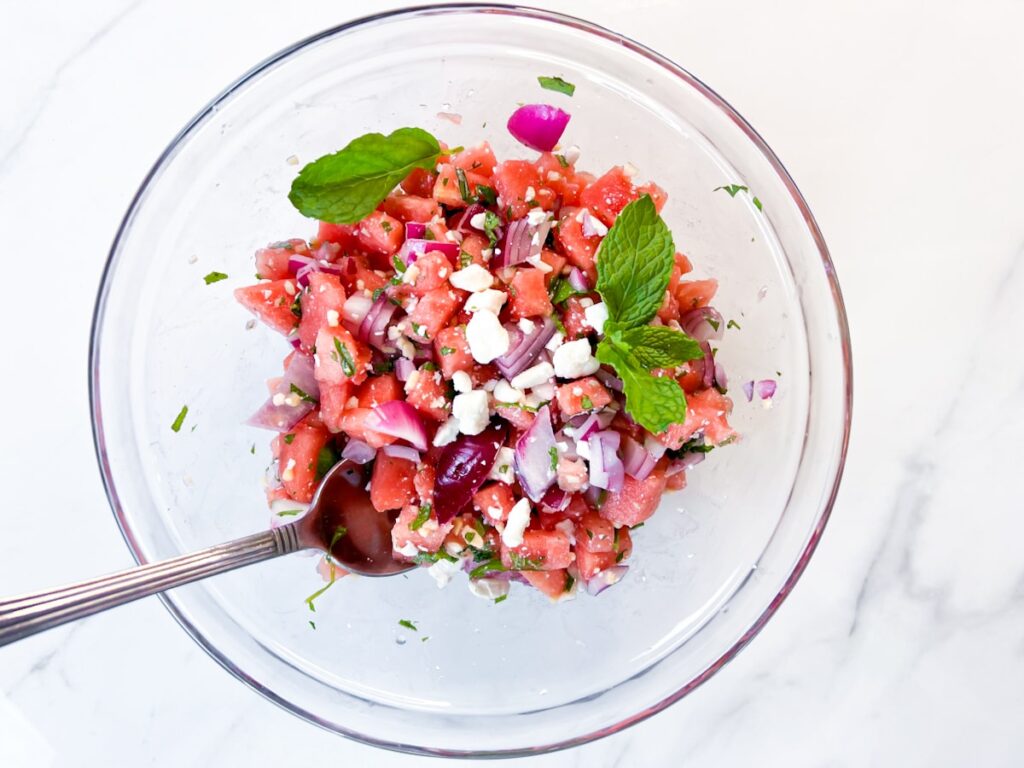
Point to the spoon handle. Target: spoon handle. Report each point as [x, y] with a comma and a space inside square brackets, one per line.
[27, 614]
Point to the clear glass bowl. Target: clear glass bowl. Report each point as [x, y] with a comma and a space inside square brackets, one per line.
[524, 676]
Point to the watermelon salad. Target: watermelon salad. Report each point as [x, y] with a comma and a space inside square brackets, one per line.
[511, 353]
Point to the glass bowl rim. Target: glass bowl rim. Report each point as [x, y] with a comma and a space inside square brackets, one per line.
[576, 24]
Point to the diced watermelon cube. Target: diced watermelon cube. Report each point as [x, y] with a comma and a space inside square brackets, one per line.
[581, 395]
[339, 357]
[321, 305]
[637, 500]
[272, 303]
[433, 311]
[494, 501]
[391, 485]
[607, 196]
[333, 401]
[411, 207]
[380, 233]
[452, 350]
[298, 458]
[529, 294]
[554, 584]
[540, 551]
[427, 391]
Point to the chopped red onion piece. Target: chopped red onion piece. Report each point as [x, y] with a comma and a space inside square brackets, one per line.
[515, 245]
[413, 248]
[587, 427]
[295, 341]
[766, 389]
[578, 280]
[415, 230]
[291, 406]
[462, 468]
[358, 452]
[373, 328]
[703, 323]
[601, 580]
[298, 262]
[748, 390]
[404, 368]
[556, 499]
[533, 456]
[610, 380]
[463, 225]
[538, 126]
[402, 452]
[654, 446]
[636, 460]
[398, 418]
[524, 348]
[721, 380]
[354, 310]
[709, 365]
[606, 469]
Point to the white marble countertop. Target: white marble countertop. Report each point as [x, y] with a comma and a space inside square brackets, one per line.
[903, 124]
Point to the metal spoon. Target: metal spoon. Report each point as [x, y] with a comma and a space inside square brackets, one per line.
[340, 519]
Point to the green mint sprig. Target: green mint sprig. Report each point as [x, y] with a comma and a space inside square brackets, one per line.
[633, 271]
[345, 187]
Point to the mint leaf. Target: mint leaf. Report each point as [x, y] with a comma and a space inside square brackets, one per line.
[634, 264]
[732, 189]
[215, 277]
[421, 517]
[344, 187]
[654, 402]
[562, 290]
[180, 418]
[556, 84]
[408, 625]
[658, 346]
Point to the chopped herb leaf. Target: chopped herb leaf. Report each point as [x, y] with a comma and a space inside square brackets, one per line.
[494, 564]
[326, 459]
[344, 357]
[424, 639]
[386, 226]
[447, 351]
[408, 625]
[312, 598]
[486, 195]
[384, 366]
[312, 624]
[586, 402]
[302, 395]
[377, 293]
[421, 517]
[429, 558]
[339, 532]
[562, 161]
[523, 563]
[215, 277]
[288, 438]
[289, 512]
[460, 174]
[758, 204]
[732, 324]
[556, 84]
[732, 189]
[500, 599]
[253, 449]
[176, 426]
[569, 581]
[634, 527]
[399, 265]
[491, 225]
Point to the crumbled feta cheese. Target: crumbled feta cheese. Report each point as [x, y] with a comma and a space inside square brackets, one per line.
[489, 300]
[554, 175]
[486, 253]
[539, 263]
[556, 341]
[266, 293]
[333, 318]
[586, 302]
[477, 220]
[406, 348]
[538, 216]
[569, 529]
[531, 194]
[527, 326]
[439, 402]
[412, 381]
[629, 170]
[572, 154]
[592, 226]
[462, 382]
[597, 316]
[393, 333]
[442, 273]
[447, 432]
[411, 274]
[494, 512]
[572, 475]
[353, 402]
[292, 159]
[574, 359]
[442, 571]
[545, 391]
[533, 400]
[289, 287]
[577, 391]
[453, 548]
[583, 449]
[518, 519]
[278, 399]
[488, 589]
[470, 408]
[408, 549]
[289, 471]
[472, 278]
[292, 400]
[485, 335]
[531, 377]
[506, 393]
[503, 468]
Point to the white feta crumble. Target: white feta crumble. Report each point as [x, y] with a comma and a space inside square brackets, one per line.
[472, 278]
[531, 194]
[531, 377]
[597, 316]
[489, 300]
[574, 359]
[538, 216]
[506, 393]
[569, 529]
[572, 154]
[630, 170]
[471, 411]
[406, 348]
[545, 391]
[533, 400]
[289, 287]
[486, 253]
[289, 471]
[490, 384]
[586, 302]
[527, 326]
[476, 221]
[556, 341]
[488, 589]
[515, 526]
[393, 333]
[539, 263]
[278, 399]
[408, 549]
[442, 571]
[462, 382]
[486, 337]
[503, 468]
[333, 318]
[411, 274]
[447, 432]
[554, 175]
